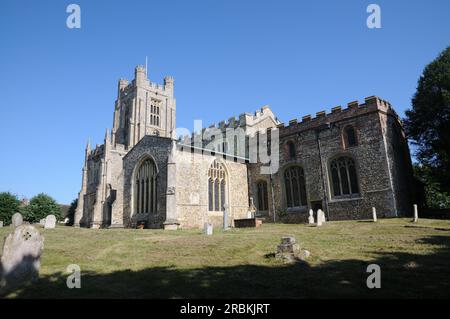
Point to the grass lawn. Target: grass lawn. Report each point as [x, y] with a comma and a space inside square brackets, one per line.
[128, 263]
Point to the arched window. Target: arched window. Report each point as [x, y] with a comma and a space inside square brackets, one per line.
[261, 187]
[294, 181]
[291, 149]
[350, 136]
[344, 180]
[145, 188]
[216, 187]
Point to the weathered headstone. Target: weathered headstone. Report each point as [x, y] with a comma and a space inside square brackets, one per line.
[16, 220]
[416, 214]
[208, 229]
[225, 217]
[374, 214]
[288, 249]
[42, 222]
[311, 217]
[322, 214]
[320, 217]
[50, 222]
[21, 256]
[1, 224]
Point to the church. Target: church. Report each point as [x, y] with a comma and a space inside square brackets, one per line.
[151, 174]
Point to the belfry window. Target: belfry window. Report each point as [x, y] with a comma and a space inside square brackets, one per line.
[145, 188]
[154, 110]
[261, 187]
[216, 187]
[294, 180]
[344, 180]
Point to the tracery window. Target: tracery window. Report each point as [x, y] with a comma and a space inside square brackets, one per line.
[216, 187]
[344, 180]
[294, 181]
[145, 188]
[261, 187]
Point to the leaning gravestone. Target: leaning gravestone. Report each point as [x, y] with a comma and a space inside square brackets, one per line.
[16, 220]
[50, 222]
[21, 258]
[416, 214]
[374, 214]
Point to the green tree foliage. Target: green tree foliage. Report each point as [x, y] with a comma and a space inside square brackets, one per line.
[40, 207]
[428, 122]
[434, 197]
[9, 204]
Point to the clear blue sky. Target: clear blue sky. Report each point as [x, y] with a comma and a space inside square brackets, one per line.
[227, 57]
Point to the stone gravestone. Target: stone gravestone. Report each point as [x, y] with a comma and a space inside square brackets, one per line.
[16, 220]
[319, 220]
[42, 222]
[50, 222]
[288, 249]
[374, 214]
[320, 217]
[311, 217]
[21, 258]
[225, 217]
[208, 229]
[1, 224]
[416, 214]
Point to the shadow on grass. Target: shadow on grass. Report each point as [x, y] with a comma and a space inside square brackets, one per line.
[403, 275]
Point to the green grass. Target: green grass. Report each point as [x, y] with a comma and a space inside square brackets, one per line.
[414, 261]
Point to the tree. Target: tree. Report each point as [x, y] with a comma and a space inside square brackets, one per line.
[434, 197]
[9, 205]
[428, 122]
[71, 212]
[40, 207]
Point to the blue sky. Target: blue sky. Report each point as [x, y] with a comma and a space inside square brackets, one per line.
[227, 57]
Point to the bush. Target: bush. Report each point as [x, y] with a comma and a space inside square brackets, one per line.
[9, 205]
[40, 207]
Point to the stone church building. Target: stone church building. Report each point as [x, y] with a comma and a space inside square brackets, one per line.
[344, 162]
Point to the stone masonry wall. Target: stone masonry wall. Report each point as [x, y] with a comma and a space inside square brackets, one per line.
[156, 148]
[192, 190]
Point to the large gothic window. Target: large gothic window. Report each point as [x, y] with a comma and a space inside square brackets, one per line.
[145, 188]
[262, 195]
[216, 187]
[294, 181]
[344, 180]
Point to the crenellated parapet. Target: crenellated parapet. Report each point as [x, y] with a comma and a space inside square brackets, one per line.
[338, 113]
[126, 87]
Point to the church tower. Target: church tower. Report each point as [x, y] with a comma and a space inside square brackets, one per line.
[143, 108]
